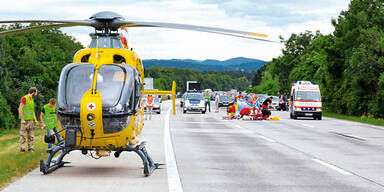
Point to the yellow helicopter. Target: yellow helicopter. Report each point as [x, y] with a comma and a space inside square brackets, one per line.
[100, 105]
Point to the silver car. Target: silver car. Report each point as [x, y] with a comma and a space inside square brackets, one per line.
[157, 104]
[275, 101]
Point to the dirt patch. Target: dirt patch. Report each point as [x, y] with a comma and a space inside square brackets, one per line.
[7, 137]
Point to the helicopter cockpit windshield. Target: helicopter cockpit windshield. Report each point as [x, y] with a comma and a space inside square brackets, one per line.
[115, 83]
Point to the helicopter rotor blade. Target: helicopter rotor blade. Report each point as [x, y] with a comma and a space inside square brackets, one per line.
[243, 36]
[2, 33]
[236, 33]
[75, 22]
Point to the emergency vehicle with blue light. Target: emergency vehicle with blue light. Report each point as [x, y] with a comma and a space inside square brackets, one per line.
[305, 100]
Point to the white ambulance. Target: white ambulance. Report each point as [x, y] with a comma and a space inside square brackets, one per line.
[305, 100]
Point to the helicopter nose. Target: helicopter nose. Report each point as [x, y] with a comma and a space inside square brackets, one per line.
[91, 117]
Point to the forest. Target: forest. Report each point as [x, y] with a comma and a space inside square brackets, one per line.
[223, 80]
[347, 64]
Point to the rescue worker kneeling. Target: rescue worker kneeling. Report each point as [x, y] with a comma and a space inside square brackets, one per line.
[244, 113]
[231, 110]
[48, 120]
[265, 110]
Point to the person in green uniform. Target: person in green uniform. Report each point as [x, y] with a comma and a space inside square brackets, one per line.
[48, 120]
[27, 116]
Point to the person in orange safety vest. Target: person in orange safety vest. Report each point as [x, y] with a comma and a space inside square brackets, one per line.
[149, 105]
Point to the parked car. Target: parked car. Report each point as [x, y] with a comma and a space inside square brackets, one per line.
[157, 105]
[225, 100]
[194, 102]
[283, 105]
[262, 97]
[275, 102]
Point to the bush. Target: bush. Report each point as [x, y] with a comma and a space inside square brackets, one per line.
[7, 120]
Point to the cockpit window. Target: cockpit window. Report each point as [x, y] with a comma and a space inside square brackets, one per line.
[106, 42]
[115, 83]
[110, 83]
[79, 81]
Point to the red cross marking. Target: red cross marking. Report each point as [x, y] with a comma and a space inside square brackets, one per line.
[91, 106]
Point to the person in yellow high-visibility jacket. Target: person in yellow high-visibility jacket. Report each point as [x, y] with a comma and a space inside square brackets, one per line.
[48, 121]
[27, 116]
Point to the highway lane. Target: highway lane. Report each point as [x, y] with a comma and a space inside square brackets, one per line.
[212, 154]
[354, 147]
[287, 155]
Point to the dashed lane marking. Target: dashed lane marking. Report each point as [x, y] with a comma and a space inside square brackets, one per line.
[267, 139]
[339, 170]
[307, 125]
[350, 136]
[202, 122]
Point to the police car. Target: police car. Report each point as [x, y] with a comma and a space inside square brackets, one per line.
[194, 101]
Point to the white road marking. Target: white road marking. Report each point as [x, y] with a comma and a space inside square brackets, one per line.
[333, 167]
[174, 183]
[192, 130]
[203, 122]
[306, 125]
[267, 139]
[349, 135]
[370, 126]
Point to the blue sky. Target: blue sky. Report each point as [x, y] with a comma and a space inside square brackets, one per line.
[274, 18]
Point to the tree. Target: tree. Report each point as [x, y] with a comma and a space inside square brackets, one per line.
[348, 64]
[32, 59]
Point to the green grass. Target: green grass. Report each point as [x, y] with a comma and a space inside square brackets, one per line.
[8, 132]
[367, 120]
[14, 164]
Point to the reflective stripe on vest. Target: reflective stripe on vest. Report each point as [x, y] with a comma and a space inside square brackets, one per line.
[28, 109]
[207, 97]
[49, 117]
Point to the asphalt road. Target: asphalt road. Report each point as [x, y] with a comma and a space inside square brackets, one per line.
[206, 153]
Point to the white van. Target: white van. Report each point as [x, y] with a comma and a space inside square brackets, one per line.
[305, 100]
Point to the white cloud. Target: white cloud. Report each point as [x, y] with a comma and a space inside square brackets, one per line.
[327, 11]
[275, 19]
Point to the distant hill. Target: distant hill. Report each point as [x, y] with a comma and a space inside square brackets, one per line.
[238, 63]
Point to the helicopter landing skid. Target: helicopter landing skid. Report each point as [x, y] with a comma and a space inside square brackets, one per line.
[148, 163]
[51, 165]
